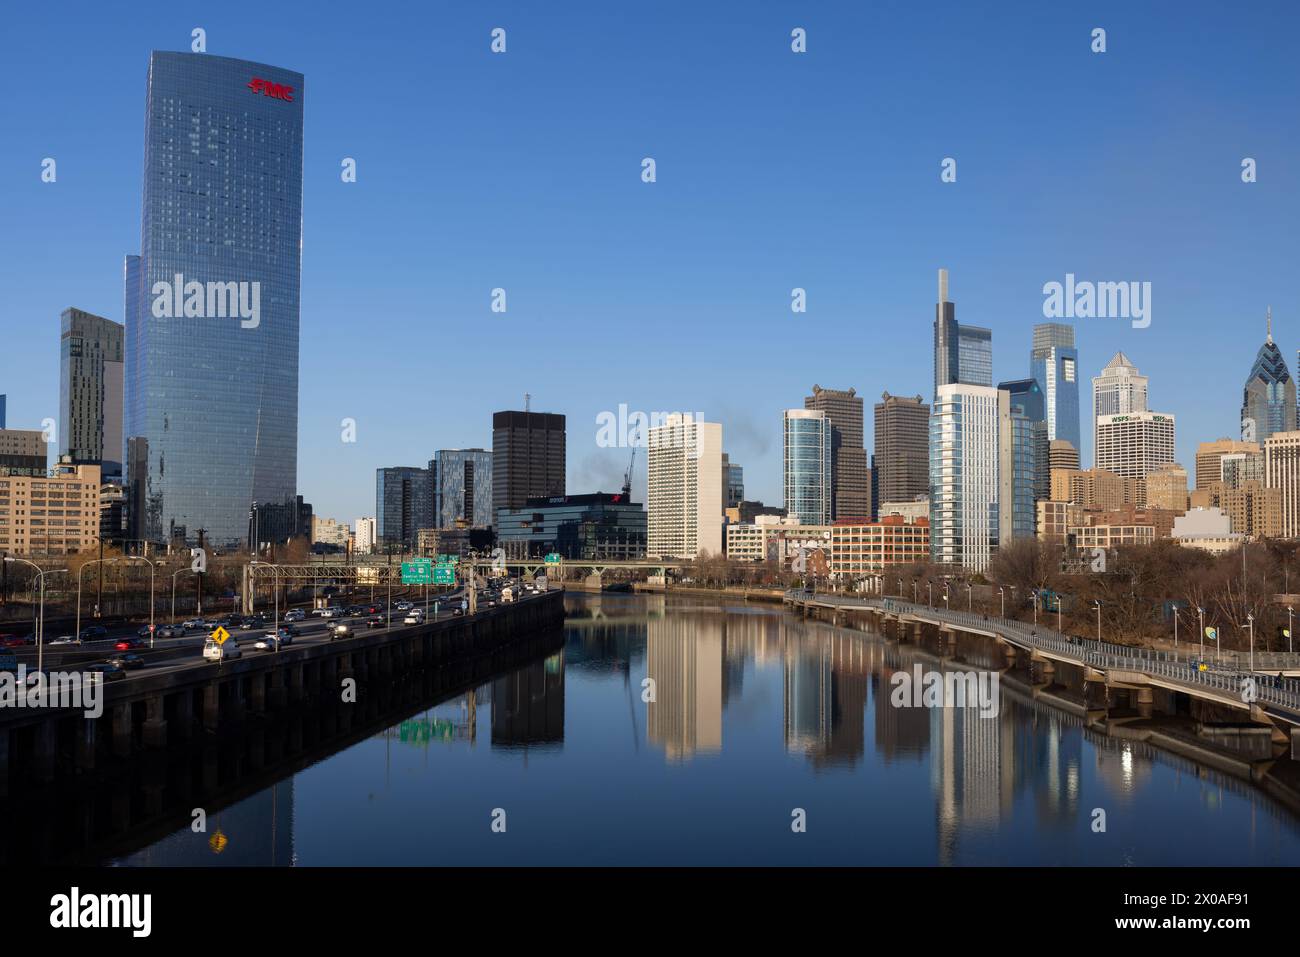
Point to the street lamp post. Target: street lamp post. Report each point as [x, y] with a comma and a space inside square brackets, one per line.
[96, 561]
[1035, 606]
[40, 621]
[1289, 616]
[969, 600]
[929, 587]
[1003, 595]
[1098, 604]
[1250, 623]
[1175, 627]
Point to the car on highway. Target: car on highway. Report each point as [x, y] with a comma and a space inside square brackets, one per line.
[376, 621]
[105, 671]
[194, 624]
[414, 617]
[248, 624]
[16, 641]
[127, 662]
[295, 614]
[170, 631]
[341, 630]
[65, 640]
[126, 644]
[94, 633]
[220, 651]
[403, 606]
[272, 641]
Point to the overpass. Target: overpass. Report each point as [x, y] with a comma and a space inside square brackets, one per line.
[1268, 699]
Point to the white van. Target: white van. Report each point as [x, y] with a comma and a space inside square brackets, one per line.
[414, 617]
[220, 652]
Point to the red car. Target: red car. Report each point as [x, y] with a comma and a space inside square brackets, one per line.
[16, 641]
[126, 644]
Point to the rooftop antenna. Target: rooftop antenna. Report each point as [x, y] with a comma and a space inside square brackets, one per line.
[528, 398]
[1270, 324]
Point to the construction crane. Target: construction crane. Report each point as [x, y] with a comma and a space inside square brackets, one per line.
[627, 477]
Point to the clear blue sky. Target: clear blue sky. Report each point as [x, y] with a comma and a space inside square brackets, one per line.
[775, 170]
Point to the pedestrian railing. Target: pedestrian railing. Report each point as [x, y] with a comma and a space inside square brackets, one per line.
[1103, 655]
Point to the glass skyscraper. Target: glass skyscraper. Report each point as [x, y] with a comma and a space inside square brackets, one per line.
[212, 299]
[403, 500]
[962, 354]
[1023, 446]
[808, 466]
[1054, 362]
[1269, 397]
[461, 482]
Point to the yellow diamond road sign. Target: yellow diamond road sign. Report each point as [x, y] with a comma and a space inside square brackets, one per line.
[220, 635]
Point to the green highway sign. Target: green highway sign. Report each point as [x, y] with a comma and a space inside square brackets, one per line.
[448, 559]
[444, 574]
[417, 572]
[553, 558]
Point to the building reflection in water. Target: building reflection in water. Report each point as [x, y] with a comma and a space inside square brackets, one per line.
[684, 658]
[825, 684]
[528, 706]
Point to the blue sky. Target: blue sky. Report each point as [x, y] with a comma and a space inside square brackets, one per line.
[775, 170]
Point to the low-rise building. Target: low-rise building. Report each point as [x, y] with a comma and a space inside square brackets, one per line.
[1209, 529]
[53, 513]
[859, 549]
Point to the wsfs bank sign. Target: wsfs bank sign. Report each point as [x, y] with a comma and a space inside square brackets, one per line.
[275, 90]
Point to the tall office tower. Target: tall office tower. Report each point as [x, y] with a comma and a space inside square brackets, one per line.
[808, 465]
[1167, 488]
[1023, 475]
[460, 481]
[947, 357]
[733, 482]
[1209, 456]
[961, 353]
[1282, 471]
[1062, 455]
[684, 488]
[1054, 362]
[1134, 444]
[1269, 397]
[212, 299]
[90, 391]
[528, 450]
[902, 456]
[1118, 389]
[402, 505]
[851, 476]
[964, 470]
[365, 535]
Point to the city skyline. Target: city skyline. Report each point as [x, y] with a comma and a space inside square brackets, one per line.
[881, 311]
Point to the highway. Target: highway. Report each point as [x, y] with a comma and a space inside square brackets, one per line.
[174, 654]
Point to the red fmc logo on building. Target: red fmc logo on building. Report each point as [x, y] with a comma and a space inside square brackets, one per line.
[267, 88]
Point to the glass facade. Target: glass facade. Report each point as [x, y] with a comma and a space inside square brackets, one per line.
[461, 480]
[403, 501]
[1054, 362]
[599, 525]
[975, 355]
[808, 466]
[212, 387]
[964, 475]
